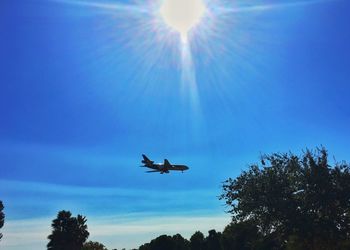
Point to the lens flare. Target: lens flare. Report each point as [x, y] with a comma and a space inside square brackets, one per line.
[182, 15]
[147, 27]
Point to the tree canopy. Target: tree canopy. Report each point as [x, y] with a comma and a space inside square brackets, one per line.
[93, 246]
[213, 240]
[197, 241]
[2, 217]
[68, 233]
[300, 202]
[176, 242]
[242, 236]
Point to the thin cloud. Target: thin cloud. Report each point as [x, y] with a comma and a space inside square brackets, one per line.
[265, 7]
[105, 6]
[113, 234]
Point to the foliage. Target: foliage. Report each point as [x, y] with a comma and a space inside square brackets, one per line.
[213, 240]
[177, 242]
[2, 217]
[93, 246]
[68, 233]
[197, 241]
[299, 202]
[240, 236]
[180, 243]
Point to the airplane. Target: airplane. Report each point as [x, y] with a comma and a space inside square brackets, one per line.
[162, 167]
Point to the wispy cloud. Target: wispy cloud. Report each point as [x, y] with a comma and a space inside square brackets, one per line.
[131, 232]
[100, 166]
[111, 219]
[42, 199]
[60, 189]
[89, 191]
[265, 7]
[135, 233]
[105, 6]
[26, 234]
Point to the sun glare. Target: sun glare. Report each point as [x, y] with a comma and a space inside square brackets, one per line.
[182, 15]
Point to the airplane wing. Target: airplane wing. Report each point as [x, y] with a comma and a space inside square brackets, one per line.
[153, 171]
[167, 164]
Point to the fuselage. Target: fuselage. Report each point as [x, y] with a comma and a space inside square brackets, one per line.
[162, 167]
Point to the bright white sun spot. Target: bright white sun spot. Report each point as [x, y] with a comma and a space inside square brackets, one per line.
[182, 15]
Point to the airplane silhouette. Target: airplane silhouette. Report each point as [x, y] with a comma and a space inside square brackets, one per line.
[162, 168]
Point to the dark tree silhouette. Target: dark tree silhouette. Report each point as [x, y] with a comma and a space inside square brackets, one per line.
[68, 233]
[213, 240]
[2, 217]
[93, 246]
[145, 246]
[300, 202]
[180, 243]
[240, 236]
[162, 242]
[197, 241]
[177, 242]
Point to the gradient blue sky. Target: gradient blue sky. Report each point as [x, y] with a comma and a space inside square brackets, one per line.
[85, 90]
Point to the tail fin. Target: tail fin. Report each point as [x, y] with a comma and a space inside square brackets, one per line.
[146, 160]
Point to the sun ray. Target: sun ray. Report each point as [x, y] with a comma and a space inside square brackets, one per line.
[106, 6]
[188, 76]
[154, 37]
[266, 7]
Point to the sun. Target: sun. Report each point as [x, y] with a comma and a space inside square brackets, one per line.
[182, 15]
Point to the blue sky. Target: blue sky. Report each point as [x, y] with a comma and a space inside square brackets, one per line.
[86, 89]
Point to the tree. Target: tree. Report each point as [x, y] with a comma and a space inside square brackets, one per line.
[294, 199]
[162, 242]
[68, 233]
[145, 247]
[213, 240]
[197, 241]
[240, 236]
[180, 243]
[2, 217]
[93, 246]
[176, 242]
